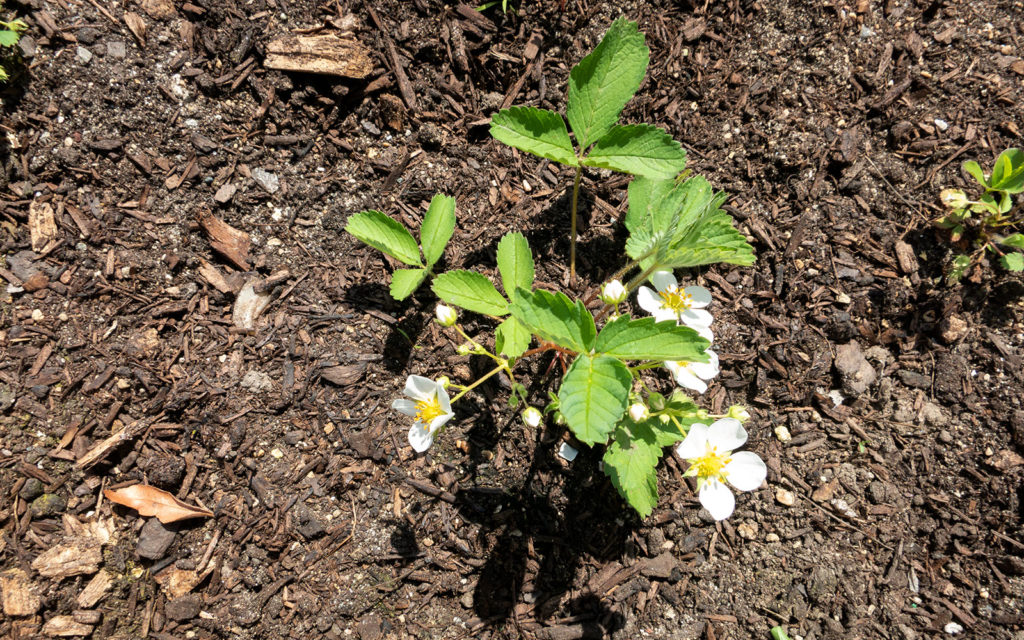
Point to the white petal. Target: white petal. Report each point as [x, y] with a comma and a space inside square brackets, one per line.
[717, 499]
[746, 471]
[701, 297]
[706, 370]
[402, 405]
[664, 280]
[648, 300]
[696, 318]
[663, 314]
[420, 438]
[420, 388]
[726, 434]
[567, 452]
[694, 445]
[443, 399]
[686, 378]
[705, 332]
[440, 421]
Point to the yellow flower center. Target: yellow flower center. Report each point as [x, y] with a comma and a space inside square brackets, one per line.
[711, 464]
[676, 300]
[427, 410]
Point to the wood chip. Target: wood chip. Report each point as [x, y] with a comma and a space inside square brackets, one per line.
[905, 256]
[324, 53]
[41, 225]
[344, 375]
[177, 582]
[65, 626]
[95, 590]
[1005, 460]
[226, 240]
[213, 275]
[79, 556]
[20, 595]
[137, 26]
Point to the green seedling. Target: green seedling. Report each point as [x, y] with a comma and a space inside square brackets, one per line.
[984, 222]
[386, 234]
[10, 33]
[599, 88]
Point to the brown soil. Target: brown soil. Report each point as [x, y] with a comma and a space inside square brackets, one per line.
[833, 125]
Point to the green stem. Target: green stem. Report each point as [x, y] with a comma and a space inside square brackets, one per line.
[572, 236]
[500, 367]
[635, 282]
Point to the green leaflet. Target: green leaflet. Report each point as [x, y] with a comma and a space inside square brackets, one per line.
[974, 169]
[385, 234]
[511, 338]
[515, 263]
[1012, 261]
[537, 131]
[1008, 172]
[8, 38]
[603, 82]
[716, 240]
[437, 229]
[471, 291]
[631, 462]
[556, 318]
[405, 281]
[640, 149]
[645, 339]
[593, 396]
[1014, 240]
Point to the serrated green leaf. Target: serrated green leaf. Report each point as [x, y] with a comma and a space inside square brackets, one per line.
[716, 240]
[646, 339]
[511, 338]
[8, 38]
[1012, 261]
[405, 281]
[437, 229]
[385, 234]
[515, 263]
[631, 462]
[957, 270]
[1008, 172]
[593, 396]
[1014, 240]
[640, 149]
[555, 318]
[471, 291]
[537, 131]
[662, 213]
[603, 82]
[974, 169]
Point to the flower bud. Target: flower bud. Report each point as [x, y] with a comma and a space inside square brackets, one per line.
[638, 411]
[954, 198]
[738, 412]
[532, 417]
[613, 293]
[444, 382]
[446, 316]
[465, 349]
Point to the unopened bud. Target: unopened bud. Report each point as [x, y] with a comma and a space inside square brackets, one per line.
[639, 412]
[446, 316]
[465, 349]
[738, 412]
[532, 417]
[954, 198]
[613, 293]
[444, 382]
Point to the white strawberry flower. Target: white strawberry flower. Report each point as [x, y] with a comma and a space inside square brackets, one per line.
[430, 406]
[669, 302]
[694, 375]
[709, 452]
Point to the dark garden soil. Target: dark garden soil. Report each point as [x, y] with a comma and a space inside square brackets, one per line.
[896, 513]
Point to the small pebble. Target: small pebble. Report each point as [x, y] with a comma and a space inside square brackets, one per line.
[785, 497]
[782, 433]
[941, 124]
[84, 55]
[567, 452]
[772, 537]
[953, 628]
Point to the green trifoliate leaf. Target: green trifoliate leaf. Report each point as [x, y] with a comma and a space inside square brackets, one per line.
[405, 281]
[603, 82]
[1012, 261]
[593, 396]
[974, 169]
[1014, 240]
[640, 149]
[512, 338]
[537, 131]
[631, 462]
[437, 229]
[715, 241]
[555, 318]
[385, 234]
[646, 339]
[663, 212]
[471, 291]
[1008, 172]
[515, 263]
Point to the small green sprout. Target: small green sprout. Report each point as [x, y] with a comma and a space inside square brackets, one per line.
[10, 33]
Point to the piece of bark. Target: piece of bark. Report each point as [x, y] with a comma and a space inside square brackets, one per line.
[137, 26]
[226, 240]
[20, 595]
[177, 582]
[95, 590]
[105, 446]
[230, 284]
[905, 256]
[41, 225]
[79, 556]
[65, 626]
[344, 375]
[324, 53]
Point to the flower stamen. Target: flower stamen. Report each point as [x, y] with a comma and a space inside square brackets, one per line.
[427, 410]
[711, 464]
[676, 300]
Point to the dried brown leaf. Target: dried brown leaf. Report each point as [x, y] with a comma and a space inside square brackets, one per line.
[150, 501]
[41, 225]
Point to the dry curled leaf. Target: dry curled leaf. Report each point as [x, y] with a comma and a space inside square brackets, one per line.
[150, 501]
[248, 307]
